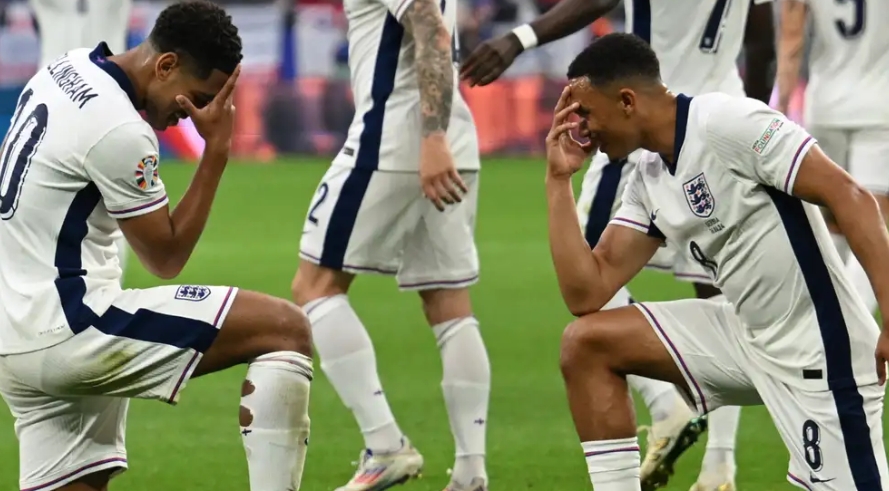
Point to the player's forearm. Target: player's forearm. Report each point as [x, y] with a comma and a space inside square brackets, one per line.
[435, 71]
[858, 216]
[790, 49]
[759, 53]
[576, 268]
[568, 17]
[190, 216]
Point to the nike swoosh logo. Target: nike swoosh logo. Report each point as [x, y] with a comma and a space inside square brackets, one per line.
[817, 480]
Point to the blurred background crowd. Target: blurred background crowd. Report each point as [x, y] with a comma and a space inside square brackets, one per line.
[294, 95]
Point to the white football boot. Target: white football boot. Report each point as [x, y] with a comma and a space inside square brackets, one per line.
[477, 484]
[379, 471]
[667, 440]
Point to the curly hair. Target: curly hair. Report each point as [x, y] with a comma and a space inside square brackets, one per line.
[202, 33]
[614, 57]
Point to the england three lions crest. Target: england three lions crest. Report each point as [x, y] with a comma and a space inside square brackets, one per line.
[192, 293]
[699, 197]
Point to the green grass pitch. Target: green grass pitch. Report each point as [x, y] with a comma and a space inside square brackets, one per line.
[251, 242]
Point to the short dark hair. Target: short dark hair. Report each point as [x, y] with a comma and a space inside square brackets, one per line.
[616, 56]
[202, 33]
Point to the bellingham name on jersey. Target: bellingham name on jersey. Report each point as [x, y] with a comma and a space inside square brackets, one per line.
[78, 157]
[727, 202]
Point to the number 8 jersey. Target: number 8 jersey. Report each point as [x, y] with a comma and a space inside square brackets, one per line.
[78, 156]
[696, 41]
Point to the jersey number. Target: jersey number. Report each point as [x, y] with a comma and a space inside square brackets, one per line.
[322, 195]
[713, 30]
[705, 262]
[857, 27]
[22, 141]
[811, 445]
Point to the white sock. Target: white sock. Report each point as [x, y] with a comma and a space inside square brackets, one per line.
[123, 252]
[275, 420]
[719, 459]
[466, 383]
[839, 241]
[613, 464]
[860, 282]
[348, 359]
[660, 397]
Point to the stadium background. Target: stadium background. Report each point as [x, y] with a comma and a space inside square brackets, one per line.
[294, 107]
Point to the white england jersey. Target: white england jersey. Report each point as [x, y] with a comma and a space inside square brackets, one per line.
[386, 131]
[727, 203]
[77, 157]
[849, 64]
[696, 41]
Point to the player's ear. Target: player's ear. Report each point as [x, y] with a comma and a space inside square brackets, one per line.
[627, 101]
[165, 65]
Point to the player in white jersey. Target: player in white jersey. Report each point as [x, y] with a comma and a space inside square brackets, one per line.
[400, 199]
[731, 181]
[698, 44]
[78, 165]
[846, 103]
[71, 24]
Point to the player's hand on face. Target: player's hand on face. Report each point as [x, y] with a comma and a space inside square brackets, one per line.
[882, 353]
[490, 60]
[564, 154]
[439, 178]
[214, 121]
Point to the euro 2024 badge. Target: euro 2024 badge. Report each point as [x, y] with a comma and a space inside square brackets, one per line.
[699, 197]
[146, 173]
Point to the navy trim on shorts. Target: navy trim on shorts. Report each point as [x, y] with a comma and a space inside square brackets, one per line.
[835, 336]
[345, 211]
[144, 325]
[642, 19]
[603, 201]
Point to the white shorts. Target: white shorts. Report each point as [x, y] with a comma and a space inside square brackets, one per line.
[864, 153]
[370, 221]
[835, 437]
[70, 400]
[600, 194]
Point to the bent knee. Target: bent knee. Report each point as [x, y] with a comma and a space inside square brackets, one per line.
[586, 342]
[291, 328]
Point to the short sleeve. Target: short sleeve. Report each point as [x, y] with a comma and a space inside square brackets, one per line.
[757, 142]
[634, 211]
[124, 166]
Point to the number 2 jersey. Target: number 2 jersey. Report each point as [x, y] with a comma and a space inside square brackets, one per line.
[77, 157]
[727, 202]
[849, 65]
[386, 130]
[696, 41]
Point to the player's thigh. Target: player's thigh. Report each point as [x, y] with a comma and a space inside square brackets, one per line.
[835, 438]
[145, 345]
[359, 219]
[440, 252]
[64, 439]
[701, 337]
[869, 159]
[835, 143]
[600, 194]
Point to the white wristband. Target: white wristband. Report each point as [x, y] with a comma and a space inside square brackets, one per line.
[526, 36]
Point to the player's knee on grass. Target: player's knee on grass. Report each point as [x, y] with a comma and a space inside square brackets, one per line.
[443, 304]
[620, 341]
[256, 325]
[313, 281]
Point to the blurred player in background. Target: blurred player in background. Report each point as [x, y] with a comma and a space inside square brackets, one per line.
[400, 199]
[698, 44]
[81, 164]
[847, 97]
[70, 24]
[735, 182]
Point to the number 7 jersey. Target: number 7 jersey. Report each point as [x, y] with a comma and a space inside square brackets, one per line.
[77, 157]
[696, 41]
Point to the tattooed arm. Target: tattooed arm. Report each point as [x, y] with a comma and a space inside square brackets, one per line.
[432, 59]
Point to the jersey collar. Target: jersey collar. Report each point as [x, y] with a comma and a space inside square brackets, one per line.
[99, 56]
[683, 103]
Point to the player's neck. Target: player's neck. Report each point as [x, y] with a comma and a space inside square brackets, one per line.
[660, 132]
[134, 64]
